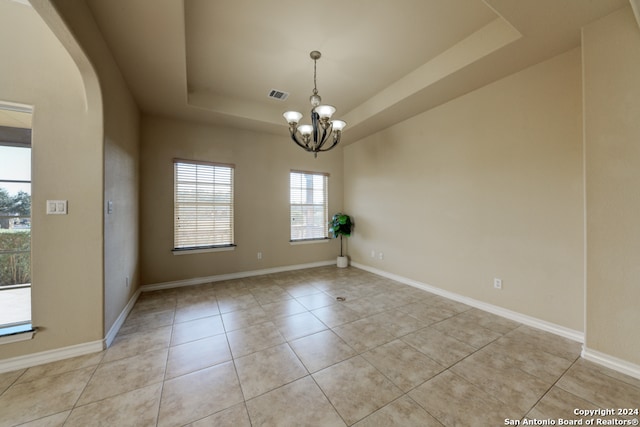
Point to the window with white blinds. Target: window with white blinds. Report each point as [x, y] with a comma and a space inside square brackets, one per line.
[203, 205]
[309, 205]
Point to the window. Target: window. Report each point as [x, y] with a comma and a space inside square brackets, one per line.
[203, 205]
[15, 226]
[308, 198]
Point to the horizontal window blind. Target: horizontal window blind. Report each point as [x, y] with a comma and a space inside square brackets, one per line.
[203, 205]
[308, 205]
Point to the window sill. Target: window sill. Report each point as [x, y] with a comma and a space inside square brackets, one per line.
[203, 250]
[308, 242]
[9, 334]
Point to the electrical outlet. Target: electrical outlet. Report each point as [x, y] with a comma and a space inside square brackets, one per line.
[259, 255]
[497, 283]
[380, 256]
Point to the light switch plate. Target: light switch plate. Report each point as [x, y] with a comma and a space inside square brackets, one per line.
[56, 207]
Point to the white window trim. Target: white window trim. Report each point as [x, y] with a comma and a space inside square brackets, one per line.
[309, 241]
[203, 250]
[25, 333]
[212, 248]
[326, 208]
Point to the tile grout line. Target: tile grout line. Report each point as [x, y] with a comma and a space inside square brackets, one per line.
[551, 387]
[166, 363]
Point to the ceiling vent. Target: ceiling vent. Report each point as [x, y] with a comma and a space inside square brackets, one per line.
[278, 94]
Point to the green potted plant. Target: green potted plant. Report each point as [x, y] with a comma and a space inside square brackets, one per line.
[341, 225]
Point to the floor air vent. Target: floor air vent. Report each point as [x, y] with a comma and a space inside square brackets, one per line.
[278, 94]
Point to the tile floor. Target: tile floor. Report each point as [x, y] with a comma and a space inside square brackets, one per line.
[280, 350]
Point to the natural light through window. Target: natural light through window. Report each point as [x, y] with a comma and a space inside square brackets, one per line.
[15, 234]
[203, 205]
[308, 205]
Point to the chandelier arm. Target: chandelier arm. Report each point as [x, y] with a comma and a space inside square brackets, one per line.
[326, 132]
[335, 142]
[295, 139]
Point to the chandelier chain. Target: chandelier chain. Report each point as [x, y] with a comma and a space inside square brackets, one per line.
[315, 86]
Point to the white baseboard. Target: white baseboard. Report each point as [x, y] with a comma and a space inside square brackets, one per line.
[611, 362]
[34, 359]
[503, 312]
[230, 276]
[113, 331]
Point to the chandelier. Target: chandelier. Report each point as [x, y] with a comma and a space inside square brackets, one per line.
[313, 137]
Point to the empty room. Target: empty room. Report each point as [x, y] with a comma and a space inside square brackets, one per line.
[277, 213]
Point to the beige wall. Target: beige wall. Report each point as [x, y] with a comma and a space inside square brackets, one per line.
[121, 147]
[611, 49]
[262, 165]
[67, 163]
[487, 185]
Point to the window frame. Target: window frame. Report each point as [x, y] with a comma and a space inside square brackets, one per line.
[20, 330]
[325, 207]
[179, 242]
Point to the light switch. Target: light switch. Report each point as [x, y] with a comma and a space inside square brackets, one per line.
[109, 207]
[56, 207]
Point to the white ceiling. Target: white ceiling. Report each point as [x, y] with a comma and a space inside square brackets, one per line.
[382, 60]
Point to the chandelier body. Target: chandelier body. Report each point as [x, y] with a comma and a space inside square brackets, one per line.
[314, 137]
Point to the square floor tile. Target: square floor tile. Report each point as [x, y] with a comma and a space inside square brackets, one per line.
[313, 301]
[267, 369]
[454, 401]
[299, 325]
[336, 315]
[55, 420]
[254, 338]
[199, 394]
[134, 408]
[139, 342]
[490, 321]
[266, 295]
[321, 350]
[558, 403]
[146, 321]
[405, 366]
[193, 330]
[442, 348]
[397, 322]
[533, 359]
[300, 290]
[239, 319]
[467, 331]
[197, 309]
[363, 334]
[356, 388]
[403, 412]
[502, 379]
[61, 366]
[244, 301]
[236, 416]
[589, 383]
[196, 355]
[31, 400]
[8, 378]
[300, 403]
[283, 308]
[120, 376]
[429, 314]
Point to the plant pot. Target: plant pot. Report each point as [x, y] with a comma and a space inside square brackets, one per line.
[343, 261]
